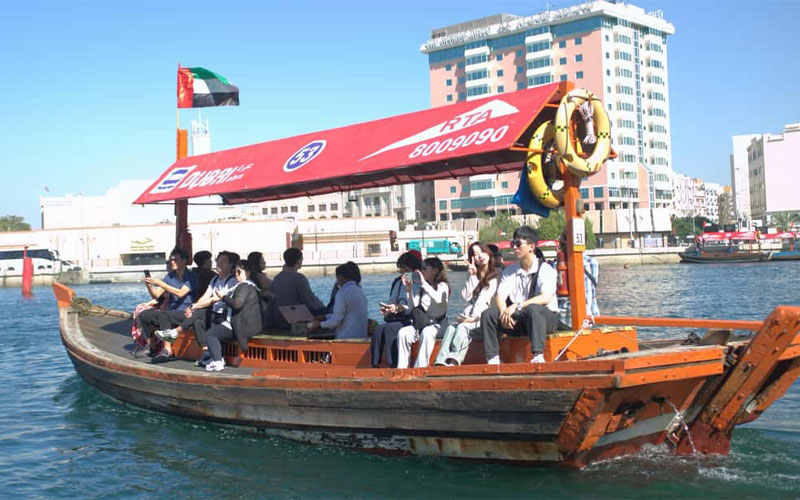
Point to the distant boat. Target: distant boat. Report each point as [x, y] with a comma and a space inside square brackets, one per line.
[725, 247]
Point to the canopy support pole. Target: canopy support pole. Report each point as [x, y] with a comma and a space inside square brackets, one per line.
[182, 236]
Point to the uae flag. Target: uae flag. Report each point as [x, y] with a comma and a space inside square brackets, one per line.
[201, 88]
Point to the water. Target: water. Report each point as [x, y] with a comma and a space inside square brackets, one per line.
[62, 438]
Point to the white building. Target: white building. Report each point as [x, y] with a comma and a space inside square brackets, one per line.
[740, 181]
[773, 173]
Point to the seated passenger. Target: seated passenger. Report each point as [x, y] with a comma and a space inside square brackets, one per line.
[264, 284]
[396, 313]
[291, 288]
[179, 285]
[479, 289]
[207, 310]
[349, 318]
[243, 319]
[525, 304]
[428, 316]
[203, 270]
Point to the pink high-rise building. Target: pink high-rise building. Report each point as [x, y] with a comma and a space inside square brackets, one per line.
[616, 50]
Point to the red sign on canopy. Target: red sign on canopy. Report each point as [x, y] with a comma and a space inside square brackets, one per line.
[462, 139]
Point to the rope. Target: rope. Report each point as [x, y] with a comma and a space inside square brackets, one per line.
[586, 111]
[84, 307]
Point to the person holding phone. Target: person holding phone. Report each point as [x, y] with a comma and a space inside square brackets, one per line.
[478, 291]
[396, 313]
[428, 315]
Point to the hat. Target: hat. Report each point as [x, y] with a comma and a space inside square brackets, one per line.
[416, 253]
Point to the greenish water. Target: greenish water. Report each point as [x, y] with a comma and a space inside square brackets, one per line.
[61, 438]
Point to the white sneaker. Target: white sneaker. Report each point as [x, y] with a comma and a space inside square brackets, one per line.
[494, 360]
[167, 335]
[215, 366]
[538, 358]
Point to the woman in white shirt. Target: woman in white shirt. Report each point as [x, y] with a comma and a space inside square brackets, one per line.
[479, 289]
[431, 301]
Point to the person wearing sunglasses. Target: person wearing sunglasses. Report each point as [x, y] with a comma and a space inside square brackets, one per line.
[525, 303]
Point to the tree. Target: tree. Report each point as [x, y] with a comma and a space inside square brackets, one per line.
[13, 223]
[501, 227]
[785, 221]
[683, 227]
[552, 227]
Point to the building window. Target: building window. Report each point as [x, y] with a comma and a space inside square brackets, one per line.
[598, 206]
[294, 209]
[607, 38]
[443, 205]
[452, 189]
[500, 58]
[520, 85]
[520, 69]
[273, 210]
[562, 60]
[334, 206]
[608, 72]
[448, 67]
[323, 207]
[578, 41]
[310, 208]
[562, 44]
[449, 97]
[462, 80]
[284, 210]
[579, 75]
[584, 193]
[460, 64]
[501, 89]
[578, 57]
[448, 82]
[608, 56]
[462, 96]
[598, 192]
[504, 184]
[519, 53]
[442, 216]
[499, 72]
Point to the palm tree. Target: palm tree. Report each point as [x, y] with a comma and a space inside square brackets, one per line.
[784, 221]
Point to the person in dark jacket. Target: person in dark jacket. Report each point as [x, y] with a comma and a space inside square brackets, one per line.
[244, 316]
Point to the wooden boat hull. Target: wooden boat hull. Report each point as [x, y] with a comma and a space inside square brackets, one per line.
[779, 256]
[564, 413]
[733, 258]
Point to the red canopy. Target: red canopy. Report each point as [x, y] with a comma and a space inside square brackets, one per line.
[462, 139]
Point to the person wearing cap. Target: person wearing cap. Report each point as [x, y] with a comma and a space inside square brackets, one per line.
[525, 303]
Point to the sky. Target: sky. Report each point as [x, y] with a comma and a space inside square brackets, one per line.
[88, 92]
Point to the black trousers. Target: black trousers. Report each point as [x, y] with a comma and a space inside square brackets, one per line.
[384, 339]
[218, 334]
[534, 321]
[201, 320]
[155, 319]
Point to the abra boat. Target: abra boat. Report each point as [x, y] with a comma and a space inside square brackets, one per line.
[725, 247]
[603, 392]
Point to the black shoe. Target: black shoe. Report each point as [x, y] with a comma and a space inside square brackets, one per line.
[163, 357]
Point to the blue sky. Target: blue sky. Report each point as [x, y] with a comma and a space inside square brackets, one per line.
[88, 94]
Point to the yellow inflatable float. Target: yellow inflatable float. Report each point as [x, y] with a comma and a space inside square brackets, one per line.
[598, 132]
[541, 140]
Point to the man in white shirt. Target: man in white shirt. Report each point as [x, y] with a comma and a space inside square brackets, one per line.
[525, 303]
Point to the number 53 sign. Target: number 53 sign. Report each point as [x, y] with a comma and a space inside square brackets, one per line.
[578, 235]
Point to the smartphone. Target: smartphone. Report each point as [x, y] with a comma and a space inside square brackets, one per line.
[383, 304]
[146, 273]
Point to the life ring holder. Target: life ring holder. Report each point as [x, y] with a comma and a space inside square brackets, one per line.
[544, 135]
[565, 139]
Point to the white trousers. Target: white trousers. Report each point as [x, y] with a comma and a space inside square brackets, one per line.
[406, 338]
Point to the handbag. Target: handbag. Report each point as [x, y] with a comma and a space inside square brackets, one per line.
[420, 317]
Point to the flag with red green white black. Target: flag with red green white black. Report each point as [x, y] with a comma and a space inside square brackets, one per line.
[201, 88]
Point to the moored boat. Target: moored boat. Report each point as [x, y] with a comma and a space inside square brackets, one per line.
[602, 391]
[725, 247]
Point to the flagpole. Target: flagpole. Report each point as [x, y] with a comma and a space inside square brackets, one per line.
[182, 237]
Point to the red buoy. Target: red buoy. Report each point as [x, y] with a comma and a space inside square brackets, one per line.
[27, 274]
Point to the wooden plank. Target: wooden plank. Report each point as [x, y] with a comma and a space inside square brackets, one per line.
[679, 322]
[501, 401]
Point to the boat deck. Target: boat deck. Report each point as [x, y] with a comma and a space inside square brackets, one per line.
[113, 336]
